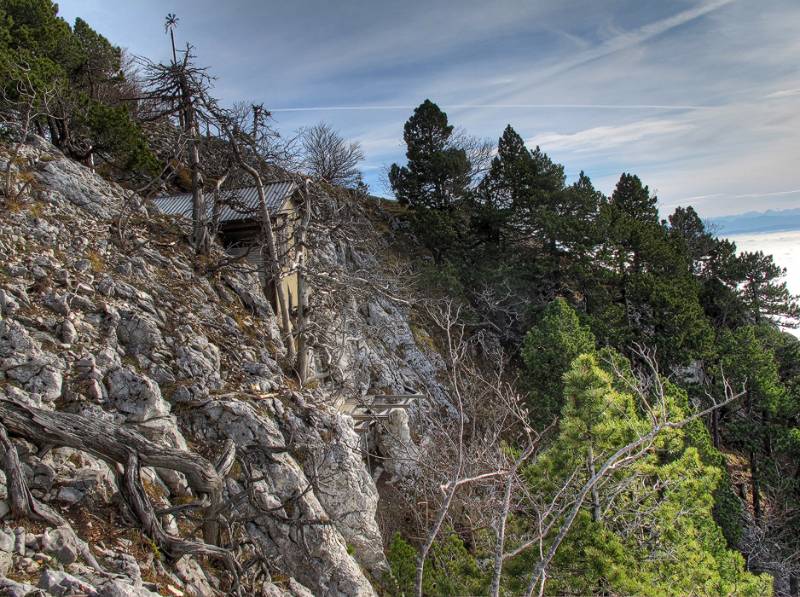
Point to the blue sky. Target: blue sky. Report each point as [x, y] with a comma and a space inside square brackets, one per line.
[701, 98]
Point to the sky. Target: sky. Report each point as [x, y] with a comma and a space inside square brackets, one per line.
[700, 98]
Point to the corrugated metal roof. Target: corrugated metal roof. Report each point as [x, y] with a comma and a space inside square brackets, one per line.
[238, 204]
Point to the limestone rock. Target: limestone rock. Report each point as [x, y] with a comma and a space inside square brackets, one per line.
[198, 359]
[61, 545]
[6, 561]
[61, 584]
[58, 303]
[324, 564]
[68, 332]
[394, 442]
[14, 589]
[191, 573]
[135, 395]
[344, 487]
[139, 333]
[23, 360]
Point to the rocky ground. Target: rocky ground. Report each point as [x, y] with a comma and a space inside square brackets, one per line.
[106, 318]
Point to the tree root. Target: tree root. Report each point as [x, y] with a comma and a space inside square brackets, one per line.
[127, 448]
[24, 505]
[133, 492]
[107, 441]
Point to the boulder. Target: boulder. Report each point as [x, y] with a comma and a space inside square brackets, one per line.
[61, 584]
[23, 360]
[68, 332]
[60, 544]
[138, 332]
[135, 395]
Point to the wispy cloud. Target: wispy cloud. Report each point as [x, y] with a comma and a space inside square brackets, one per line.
[695, 198]
[783, 93]
[602, 138]
[408, 108]
[638, 36]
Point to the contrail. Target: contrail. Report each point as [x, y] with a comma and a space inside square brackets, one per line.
[623, 41]
[662, 107]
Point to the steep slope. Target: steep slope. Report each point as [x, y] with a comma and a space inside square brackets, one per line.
[104, 317]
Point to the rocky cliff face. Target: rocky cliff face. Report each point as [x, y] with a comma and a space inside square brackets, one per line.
[104, 316]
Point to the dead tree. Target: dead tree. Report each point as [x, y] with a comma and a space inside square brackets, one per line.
[126, 448]
[303, 312]
[327, 156]
[20, 113]
[466, 454]
[246, 146]
[181, 89]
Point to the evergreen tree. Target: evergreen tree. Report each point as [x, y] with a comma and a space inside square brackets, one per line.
[434, 181]
[87, 114]
[747, 362]
[548, 351]
[720, 279]
[687, 226]
[651, 536]
[632, 199]
[437, 174]
[763, 292]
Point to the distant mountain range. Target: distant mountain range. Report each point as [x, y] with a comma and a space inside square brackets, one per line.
[754, 222]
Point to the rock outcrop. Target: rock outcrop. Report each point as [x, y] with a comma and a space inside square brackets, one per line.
[103, 314]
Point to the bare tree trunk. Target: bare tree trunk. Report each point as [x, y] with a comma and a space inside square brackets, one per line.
[303, 350]
[756, 482]
[595, 494]
[188, 121]
[131, 488]
[216, 210]
[715, 428]
[272, 273]
[24, 505]
[502, 520]
[447, 324]
[199, 215]
[499, 548]
[434, 531]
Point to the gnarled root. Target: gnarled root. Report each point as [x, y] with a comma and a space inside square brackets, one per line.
[24, 505]
[134, 495]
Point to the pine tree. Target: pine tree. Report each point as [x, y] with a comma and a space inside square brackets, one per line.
[686, 226]
[437, 174]
[648, 530]
[548, 351]
[746, 362]
[632, 199]
[763, 292]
